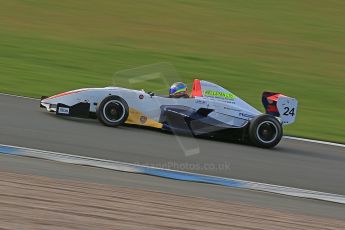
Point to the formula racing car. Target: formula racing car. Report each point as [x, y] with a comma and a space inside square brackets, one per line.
[210, 111]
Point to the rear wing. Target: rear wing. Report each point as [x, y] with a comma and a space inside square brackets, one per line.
[281, 106]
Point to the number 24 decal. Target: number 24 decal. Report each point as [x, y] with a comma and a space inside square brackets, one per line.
[289, 111]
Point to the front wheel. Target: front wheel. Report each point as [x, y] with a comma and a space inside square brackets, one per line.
[265, 131]
[112, 111]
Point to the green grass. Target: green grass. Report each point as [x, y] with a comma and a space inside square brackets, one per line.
[296, 47]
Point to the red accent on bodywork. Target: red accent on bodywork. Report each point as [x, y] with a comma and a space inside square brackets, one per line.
[196, 92]
[272, 108]
[269, 100]
[66, 93]
[275, 97]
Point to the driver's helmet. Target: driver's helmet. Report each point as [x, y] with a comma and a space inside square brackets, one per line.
[178, 89]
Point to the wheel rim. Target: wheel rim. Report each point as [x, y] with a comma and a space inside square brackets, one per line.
[267, 132]
[114, 111]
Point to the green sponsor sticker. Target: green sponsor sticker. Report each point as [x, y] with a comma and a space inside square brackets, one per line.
[219, 94]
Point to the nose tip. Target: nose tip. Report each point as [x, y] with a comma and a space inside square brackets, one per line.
[43, 100]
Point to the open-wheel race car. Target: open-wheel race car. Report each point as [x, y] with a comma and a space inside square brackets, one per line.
[210, 111]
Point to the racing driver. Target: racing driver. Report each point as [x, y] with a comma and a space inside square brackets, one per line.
[178, 90]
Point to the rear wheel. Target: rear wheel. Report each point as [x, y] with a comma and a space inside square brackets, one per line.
[112, 111]
[265, 131]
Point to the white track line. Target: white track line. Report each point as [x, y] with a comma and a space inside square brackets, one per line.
[285, 137]
[170, 174]
[315, 141]
[11, 95]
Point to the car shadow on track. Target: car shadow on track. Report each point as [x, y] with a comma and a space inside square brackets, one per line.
[160, 131]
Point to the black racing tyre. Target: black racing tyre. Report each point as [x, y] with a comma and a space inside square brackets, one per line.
[265, 131]
[112, 111]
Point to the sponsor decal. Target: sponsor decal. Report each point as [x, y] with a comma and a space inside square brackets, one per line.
[246, 115]
[141, 96]
[63, 110]
[212, 93]
[143, 119]
[227, 108]
[200, 102]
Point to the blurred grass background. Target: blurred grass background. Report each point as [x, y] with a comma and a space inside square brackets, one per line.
[296, 47]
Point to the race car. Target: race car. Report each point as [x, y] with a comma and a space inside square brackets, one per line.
[210, 111]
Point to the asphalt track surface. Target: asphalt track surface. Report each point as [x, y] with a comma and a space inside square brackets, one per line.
[39, 167]
[292, 163]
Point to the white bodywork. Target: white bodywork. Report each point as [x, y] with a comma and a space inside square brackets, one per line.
[226, 107]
